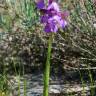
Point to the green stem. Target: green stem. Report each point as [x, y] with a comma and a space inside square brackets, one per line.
[47, 67]
[19, 85]
[25, 84]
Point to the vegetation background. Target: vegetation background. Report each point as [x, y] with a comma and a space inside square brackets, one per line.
[23, 44]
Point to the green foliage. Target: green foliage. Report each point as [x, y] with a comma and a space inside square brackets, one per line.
[4, 87]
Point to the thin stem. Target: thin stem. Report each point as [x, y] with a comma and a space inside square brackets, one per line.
[83, 83]
[47, 67]
[25, 82]
[19, 85]
[91, 80]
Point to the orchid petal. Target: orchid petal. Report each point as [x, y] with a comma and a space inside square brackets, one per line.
[51, 26]
[47, 28]
[50, 1]
[64, 14]
[44, 19]
[54, 6]
[40, 4]
[63, 23]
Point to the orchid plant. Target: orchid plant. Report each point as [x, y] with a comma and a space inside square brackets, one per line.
[53, 19]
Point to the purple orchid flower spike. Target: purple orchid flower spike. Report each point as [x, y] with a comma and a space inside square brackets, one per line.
[40, 4]
[52, 17]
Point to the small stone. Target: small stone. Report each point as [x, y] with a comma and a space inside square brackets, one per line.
[94, 25]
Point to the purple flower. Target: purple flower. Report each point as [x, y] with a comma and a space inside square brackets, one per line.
[64, 14]
[52, 17]
[43, 19]
[51, 26]
[40, 4]
[50, 1]
[63, 23]
[53, 6]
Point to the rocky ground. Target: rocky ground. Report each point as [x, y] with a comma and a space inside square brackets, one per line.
[58, 86]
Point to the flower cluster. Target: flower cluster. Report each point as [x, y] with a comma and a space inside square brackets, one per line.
[52, 17]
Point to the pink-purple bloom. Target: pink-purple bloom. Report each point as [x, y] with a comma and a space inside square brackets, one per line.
[40, 4]
[52, 17]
